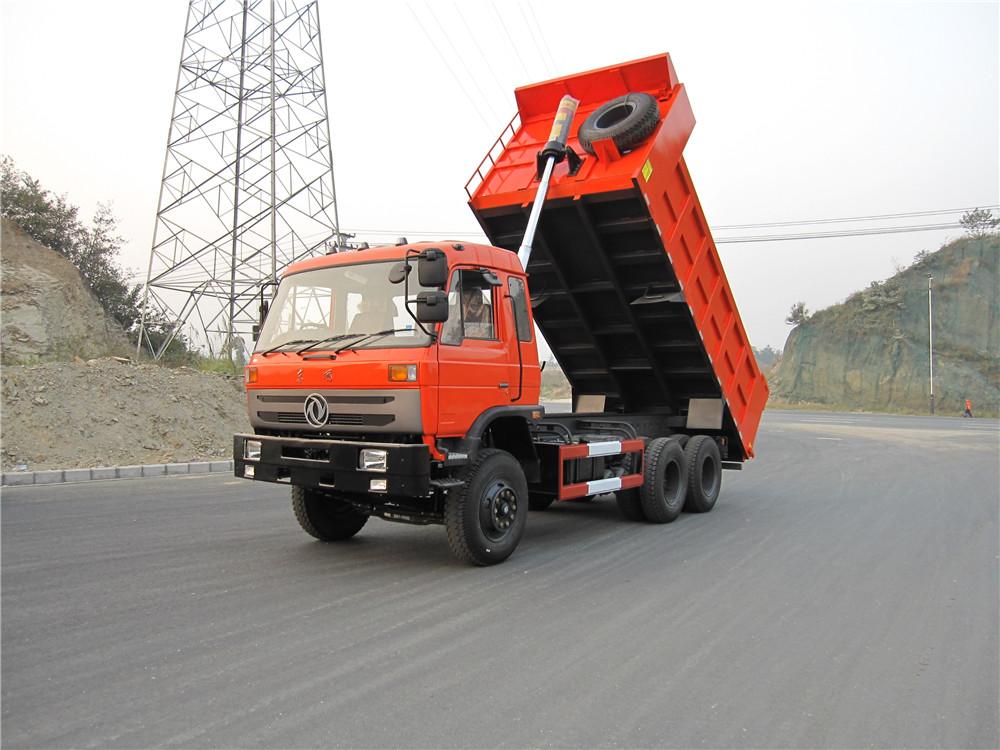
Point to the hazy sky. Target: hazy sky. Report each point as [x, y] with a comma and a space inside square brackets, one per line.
[805, 111]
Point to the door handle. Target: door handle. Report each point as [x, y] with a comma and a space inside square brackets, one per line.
[505, 385]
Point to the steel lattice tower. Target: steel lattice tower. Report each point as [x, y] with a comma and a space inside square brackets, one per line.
[248, 175]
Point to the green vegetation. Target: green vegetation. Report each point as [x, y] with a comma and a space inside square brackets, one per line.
[980, 223]
[798, 314]
[55, 223]
[217, 365]
[94, 249]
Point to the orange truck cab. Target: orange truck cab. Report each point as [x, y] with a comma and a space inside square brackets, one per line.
[403, 382]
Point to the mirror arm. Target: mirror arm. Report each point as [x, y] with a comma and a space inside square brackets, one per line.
[406, 296]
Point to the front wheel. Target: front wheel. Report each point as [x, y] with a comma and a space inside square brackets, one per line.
[325, 516]
[485, 517]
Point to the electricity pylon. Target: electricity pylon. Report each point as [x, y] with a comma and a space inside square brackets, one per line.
[248, 174]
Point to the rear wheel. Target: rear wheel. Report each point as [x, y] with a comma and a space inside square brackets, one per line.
[664, 482]
[485, 517]
[704, 466]
[324, 516]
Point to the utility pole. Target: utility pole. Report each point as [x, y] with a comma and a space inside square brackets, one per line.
[930, 335]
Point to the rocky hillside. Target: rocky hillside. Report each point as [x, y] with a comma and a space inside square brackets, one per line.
[871, 351]
[48, 311]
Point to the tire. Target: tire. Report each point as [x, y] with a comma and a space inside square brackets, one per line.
[628, 120]
[664, 481]
[485, 517]
[326, 517]
[628, 500]
[540, 502]
[704, 467]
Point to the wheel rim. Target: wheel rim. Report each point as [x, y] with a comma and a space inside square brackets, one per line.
[498, 511]
[709, 477]
[671, 482]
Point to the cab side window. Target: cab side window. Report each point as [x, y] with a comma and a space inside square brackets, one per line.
[520, 305]
[470, 309]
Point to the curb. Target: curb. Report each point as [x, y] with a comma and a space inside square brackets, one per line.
[66, 476]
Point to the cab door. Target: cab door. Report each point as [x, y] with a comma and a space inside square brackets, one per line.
[474, 361]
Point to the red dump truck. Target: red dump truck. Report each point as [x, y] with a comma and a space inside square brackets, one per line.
[403, 382]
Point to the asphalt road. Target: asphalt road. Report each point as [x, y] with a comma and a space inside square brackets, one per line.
[844, 593]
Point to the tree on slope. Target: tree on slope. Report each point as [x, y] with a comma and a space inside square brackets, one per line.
[980, 223]
[798, 314]
[55, 223]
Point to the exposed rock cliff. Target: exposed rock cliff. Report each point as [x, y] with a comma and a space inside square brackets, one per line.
[48, 311]
[871, 351]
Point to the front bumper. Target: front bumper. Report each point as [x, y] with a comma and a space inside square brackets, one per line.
[333, 465]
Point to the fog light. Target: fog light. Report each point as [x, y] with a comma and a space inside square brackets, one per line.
[378, 485]
[372, 459]
[251, 450]
[248, 472]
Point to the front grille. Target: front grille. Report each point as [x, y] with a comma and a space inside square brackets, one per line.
[297, 417]
[330, 399]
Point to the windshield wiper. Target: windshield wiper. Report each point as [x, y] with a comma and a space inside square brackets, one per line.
[366, 336]
[329, 340]
[277, 347]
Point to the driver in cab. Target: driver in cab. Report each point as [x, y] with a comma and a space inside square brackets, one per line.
[476, 314]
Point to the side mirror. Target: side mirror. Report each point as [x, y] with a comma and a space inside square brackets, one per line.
[432, 307]
[255, 331]
[432, 269]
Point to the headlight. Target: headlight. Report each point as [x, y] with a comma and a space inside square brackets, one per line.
[372, 459]
[251, 450]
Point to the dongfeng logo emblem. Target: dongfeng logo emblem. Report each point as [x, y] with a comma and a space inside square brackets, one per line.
[316, 410]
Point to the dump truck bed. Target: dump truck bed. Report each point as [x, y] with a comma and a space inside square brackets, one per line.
[626, 282]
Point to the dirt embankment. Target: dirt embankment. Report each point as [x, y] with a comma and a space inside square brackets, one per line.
[106, 413]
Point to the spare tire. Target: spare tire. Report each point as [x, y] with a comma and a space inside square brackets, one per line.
[628, 120]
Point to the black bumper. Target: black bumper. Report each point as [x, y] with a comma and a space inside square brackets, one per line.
[333, 465]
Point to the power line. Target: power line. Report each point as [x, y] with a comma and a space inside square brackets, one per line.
[486, 59]
[513, 45]
[545, 44]
[536, 42]
[855, 232]
[851, 218]
[839, 233]
[450, 69]
[452, 45]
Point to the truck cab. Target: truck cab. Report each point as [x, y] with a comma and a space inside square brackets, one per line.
[378, 373]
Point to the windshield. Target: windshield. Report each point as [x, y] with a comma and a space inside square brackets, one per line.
[343, 303]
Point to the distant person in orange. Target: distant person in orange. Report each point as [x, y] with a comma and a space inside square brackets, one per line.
[968, 408]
